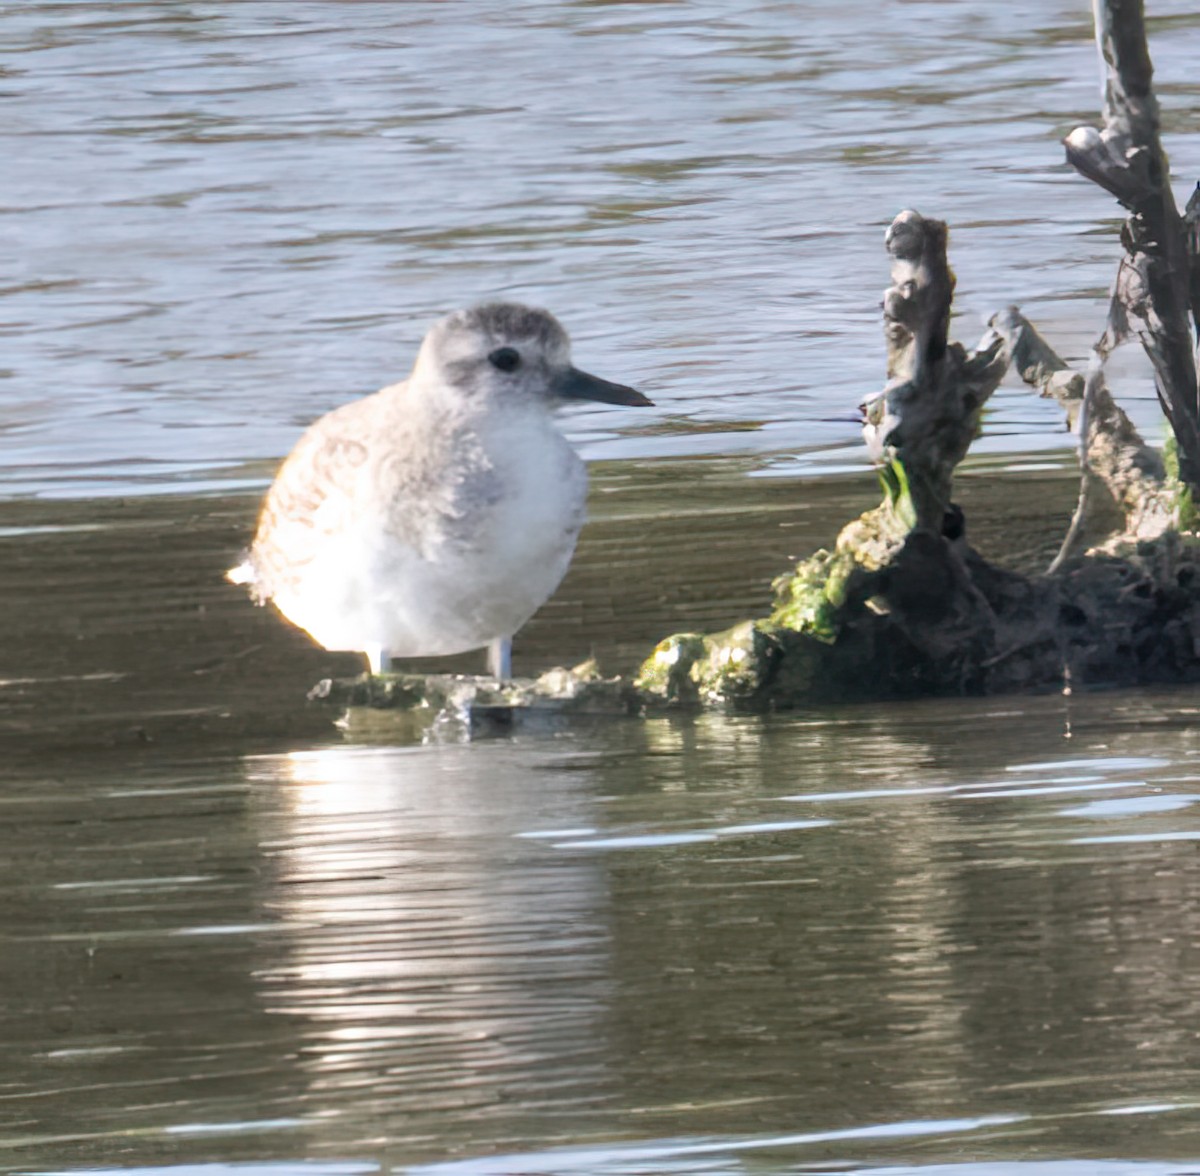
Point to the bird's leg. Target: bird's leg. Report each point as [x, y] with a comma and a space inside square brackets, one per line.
[500, 659]
[379, 659]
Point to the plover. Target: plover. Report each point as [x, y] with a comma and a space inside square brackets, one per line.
[439, 514]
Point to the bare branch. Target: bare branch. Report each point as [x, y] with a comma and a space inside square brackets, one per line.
[1191, 227]
[1111, 448]
[1156, 281]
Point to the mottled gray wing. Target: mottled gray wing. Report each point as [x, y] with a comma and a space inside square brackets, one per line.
[314, 496]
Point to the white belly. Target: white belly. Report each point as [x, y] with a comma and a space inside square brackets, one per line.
[367, 588]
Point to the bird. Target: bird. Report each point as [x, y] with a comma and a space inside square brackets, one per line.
[437, 515]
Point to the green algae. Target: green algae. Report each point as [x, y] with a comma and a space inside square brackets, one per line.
[1185, 507]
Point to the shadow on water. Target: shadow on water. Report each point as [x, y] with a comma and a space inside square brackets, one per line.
[950, 931]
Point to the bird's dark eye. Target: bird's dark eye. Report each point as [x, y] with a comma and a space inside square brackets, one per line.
[507, 359]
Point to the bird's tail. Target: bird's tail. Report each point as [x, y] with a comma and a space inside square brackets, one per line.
[247, 574]
[243, 573]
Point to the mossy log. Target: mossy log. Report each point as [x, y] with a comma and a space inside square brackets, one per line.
[453, 706]
[903, 605]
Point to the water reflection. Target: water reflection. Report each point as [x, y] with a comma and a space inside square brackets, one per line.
[442, 953]
[635, 917]
[865, 937]
[689, 1159]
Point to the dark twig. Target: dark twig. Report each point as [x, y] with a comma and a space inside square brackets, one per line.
[1155, 283]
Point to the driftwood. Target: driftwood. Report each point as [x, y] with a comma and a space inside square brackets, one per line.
[902, 604]
[1111, 449]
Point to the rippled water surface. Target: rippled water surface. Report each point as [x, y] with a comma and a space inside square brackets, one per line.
[234, 941]
[219, 220]
[828, 942]
[954, 938]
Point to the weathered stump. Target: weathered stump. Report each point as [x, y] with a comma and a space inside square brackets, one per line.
[903, 605]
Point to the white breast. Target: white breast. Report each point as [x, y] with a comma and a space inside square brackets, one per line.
[509, 512]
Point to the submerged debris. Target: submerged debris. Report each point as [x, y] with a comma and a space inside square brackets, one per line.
[417, 706]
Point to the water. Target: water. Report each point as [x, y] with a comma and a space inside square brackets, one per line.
[867, 937]
[955, 938]
[958, 932]
[222, 219]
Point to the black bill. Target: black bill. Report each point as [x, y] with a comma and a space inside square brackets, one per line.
[576, 385]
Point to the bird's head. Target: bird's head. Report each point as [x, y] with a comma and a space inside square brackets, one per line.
[509, 353]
